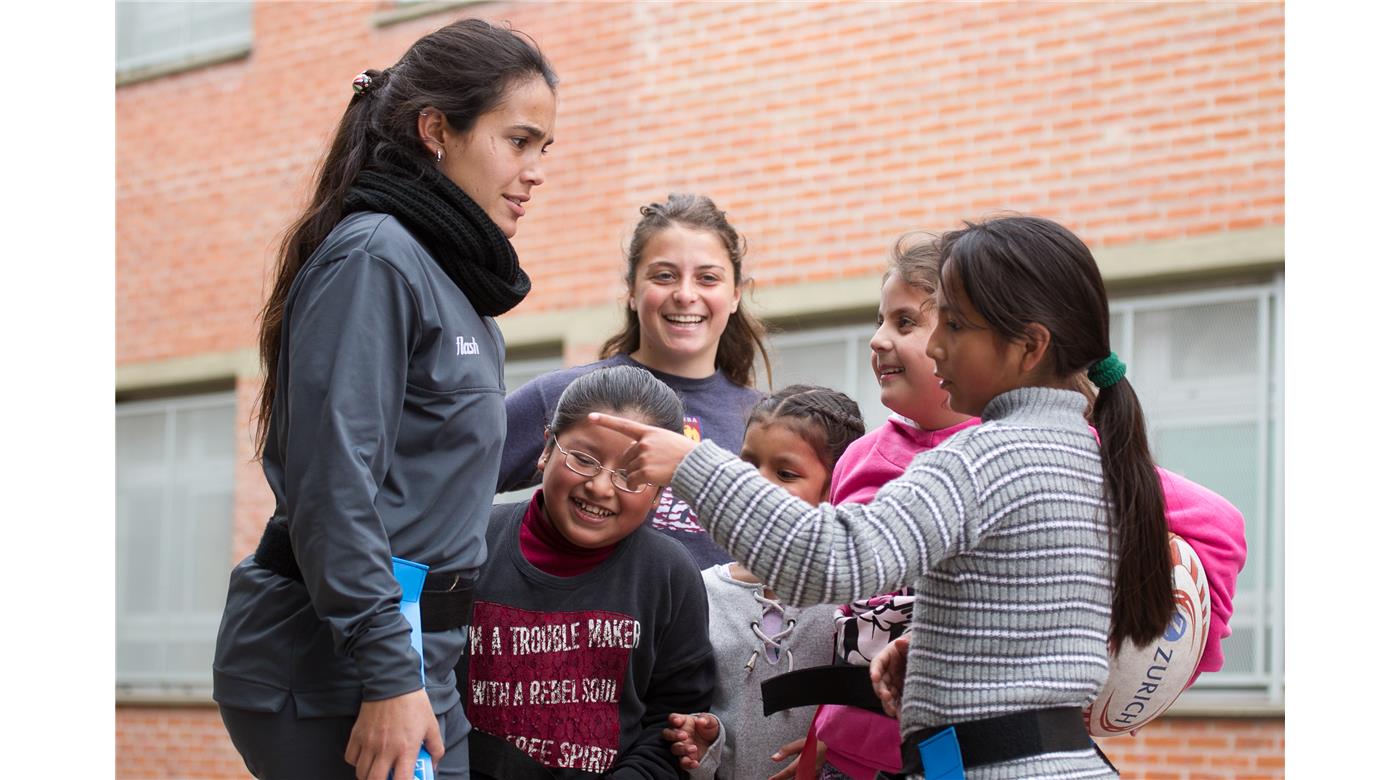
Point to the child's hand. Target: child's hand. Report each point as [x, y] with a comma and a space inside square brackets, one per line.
[655, 452]
[691, 736]
[791, 749]
[887, 674]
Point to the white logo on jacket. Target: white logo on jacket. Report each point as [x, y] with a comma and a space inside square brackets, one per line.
[465, 347]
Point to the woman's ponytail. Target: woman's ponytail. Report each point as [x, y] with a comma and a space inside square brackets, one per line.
[334, 176]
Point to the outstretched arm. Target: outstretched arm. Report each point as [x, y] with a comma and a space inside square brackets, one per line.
[813, 554]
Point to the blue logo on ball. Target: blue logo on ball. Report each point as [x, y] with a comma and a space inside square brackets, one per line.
[1177, 628]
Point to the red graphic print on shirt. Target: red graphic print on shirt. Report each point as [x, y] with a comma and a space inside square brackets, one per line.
[549, 682]
[673, 514]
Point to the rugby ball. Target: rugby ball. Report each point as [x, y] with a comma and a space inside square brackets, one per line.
[1144, 681]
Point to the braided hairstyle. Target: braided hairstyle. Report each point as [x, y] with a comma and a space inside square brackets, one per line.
[826, 419]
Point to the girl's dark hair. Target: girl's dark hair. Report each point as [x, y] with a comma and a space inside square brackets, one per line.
[464, 70]
[1019, 270]
[830, 420]
[743, 335]
[620, 390]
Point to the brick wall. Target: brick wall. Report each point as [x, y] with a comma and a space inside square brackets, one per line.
[174, 742]
[191, 743]
[824, 129]
[1201, 749]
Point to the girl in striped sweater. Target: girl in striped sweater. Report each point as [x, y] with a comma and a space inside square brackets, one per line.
[1032, 547]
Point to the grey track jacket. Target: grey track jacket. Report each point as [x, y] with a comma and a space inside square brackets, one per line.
[385, 439]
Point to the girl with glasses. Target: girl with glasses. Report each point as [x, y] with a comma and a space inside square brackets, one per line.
[589, 625]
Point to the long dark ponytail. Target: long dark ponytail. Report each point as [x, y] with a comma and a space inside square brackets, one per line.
[1018, 270]
[464, 70]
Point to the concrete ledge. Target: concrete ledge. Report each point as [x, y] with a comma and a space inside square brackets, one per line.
[1226, 706]
[1202, 256]
[1241, 250]
[826, 296]
[593, 323]
[188, 370]
[416, 10]
[215, 57]
[194, 698]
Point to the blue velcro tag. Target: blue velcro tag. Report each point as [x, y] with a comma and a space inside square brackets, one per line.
[941, 756]
[411, 576]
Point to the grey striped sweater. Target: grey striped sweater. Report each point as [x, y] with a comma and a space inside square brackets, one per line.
[1001, 531]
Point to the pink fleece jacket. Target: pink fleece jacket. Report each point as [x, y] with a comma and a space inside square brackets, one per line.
[861, 743]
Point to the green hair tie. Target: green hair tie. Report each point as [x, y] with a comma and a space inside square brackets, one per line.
[1108, 371]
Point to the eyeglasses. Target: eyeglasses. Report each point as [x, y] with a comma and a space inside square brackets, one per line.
[586, 466]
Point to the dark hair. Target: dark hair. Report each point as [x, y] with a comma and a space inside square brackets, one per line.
[622, 390]
[464, 70]
[743, 334]
[829, 419]
[1019, 270]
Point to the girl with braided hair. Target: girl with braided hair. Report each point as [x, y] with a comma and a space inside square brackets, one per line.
[794, 438]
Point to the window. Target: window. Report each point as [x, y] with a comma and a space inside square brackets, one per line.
[838, 358]
[1207, 367]
[151, 34]
[517, 373]
[175, 472]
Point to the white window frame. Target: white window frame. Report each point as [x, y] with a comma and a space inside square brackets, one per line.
[195, 685]
[854, 340]
[532, 366]
[1264, 609]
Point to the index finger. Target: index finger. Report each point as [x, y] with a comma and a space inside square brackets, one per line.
[620, 424]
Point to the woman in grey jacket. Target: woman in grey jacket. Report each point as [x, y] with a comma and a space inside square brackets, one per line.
[383, 401]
